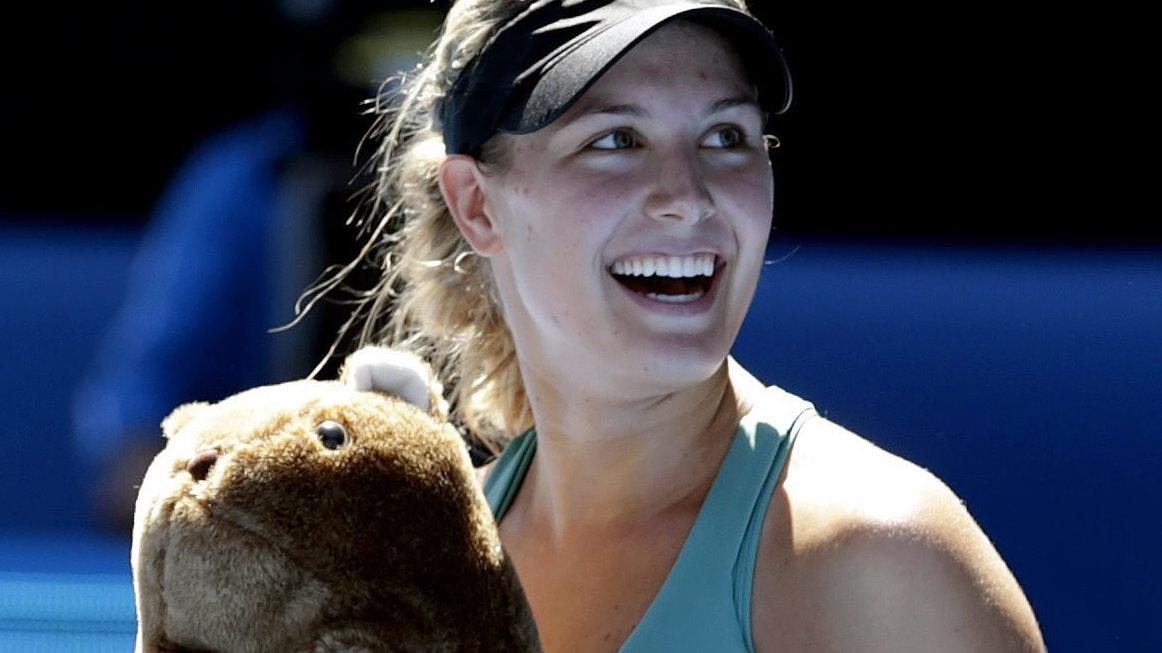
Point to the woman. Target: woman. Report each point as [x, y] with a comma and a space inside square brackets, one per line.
[575, 198]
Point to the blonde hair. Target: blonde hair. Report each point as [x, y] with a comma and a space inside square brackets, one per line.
[435, 297]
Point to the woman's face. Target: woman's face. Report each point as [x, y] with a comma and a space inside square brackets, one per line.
[629, 233]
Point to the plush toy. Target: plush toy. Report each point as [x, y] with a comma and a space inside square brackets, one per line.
[322, 516]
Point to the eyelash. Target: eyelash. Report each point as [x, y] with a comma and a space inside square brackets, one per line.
[614, 134]
[622, 133]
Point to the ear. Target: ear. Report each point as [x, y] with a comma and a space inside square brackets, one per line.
[398, 373]
[180, 417]
[460, 184]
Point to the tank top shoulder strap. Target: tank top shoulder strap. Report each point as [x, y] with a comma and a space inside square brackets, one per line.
[705, 602]
[775, 426]
[508, 472]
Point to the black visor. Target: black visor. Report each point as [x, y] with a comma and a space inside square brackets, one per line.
[536, 66]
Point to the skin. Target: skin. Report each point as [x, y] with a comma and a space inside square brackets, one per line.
[636, 401]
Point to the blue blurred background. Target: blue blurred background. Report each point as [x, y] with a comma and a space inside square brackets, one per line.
[964, 269]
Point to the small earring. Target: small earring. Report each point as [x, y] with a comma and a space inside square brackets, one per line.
[457, 263]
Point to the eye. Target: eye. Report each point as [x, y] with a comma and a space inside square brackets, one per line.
[618, 139]
[331, 434]
[726, 137]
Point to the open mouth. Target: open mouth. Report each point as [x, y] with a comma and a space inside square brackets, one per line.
[672, 279]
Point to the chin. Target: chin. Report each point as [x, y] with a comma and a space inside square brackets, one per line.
[678, 363]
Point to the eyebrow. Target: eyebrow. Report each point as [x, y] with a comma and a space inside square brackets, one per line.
[611, 110]
[732, 102]
[638, 111]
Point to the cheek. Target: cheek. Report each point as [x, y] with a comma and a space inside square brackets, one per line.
[751, 193]
[570, 214]
[545, 240]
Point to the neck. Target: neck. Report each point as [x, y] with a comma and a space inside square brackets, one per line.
[608, 462]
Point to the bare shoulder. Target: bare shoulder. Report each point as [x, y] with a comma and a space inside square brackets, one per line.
[878, 554]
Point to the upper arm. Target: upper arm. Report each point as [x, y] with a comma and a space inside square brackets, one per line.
[918, 588]
[873, 553]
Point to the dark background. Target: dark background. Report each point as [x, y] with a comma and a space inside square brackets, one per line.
[968, 268]
[958, 120]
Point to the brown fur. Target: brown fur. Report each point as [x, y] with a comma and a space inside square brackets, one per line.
[384, 544]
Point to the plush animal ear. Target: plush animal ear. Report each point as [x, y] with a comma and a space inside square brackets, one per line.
[180, 417]
[398, 373]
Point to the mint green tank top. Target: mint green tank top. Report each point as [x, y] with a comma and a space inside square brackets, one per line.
[705, 602]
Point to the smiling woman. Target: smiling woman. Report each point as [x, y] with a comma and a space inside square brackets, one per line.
[563, 207]
[572, 214]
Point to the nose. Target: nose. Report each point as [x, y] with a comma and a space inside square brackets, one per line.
[200, 465]
[679, 190]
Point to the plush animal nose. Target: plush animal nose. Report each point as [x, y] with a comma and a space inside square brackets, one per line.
[200, 465]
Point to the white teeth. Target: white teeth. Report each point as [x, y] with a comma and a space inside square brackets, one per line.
[677, 267]
[674, 299]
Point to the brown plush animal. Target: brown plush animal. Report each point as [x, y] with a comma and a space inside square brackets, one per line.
[322, 516]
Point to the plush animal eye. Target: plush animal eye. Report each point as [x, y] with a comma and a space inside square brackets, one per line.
[331, 434]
